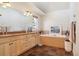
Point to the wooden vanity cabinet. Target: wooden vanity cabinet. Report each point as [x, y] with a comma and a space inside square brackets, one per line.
[53, 41]
[16, 45]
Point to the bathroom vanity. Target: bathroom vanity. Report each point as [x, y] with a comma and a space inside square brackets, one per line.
[15, 44]
[52, 40]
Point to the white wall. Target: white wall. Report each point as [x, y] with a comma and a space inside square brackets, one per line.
[57, 18]
[75, 11]
[76, 46]
[14, 19]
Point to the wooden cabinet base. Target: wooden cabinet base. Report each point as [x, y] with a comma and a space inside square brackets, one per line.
[15, 45]
[52, 41]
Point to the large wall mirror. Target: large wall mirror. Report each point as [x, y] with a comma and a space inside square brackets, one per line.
[14, 20]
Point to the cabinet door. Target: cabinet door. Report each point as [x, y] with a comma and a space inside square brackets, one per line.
[6, 49]
[2, 50]
[18, 45]
[13, 50]
[37, 37]
[22, 44]
[32, 40]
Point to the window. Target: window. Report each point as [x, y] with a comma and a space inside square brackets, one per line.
[36, 24]
[55, 29]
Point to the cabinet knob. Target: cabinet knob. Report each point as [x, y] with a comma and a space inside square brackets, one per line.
[10, 43]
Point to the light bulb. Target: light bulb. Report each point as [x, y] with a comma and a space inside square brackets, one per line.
[4, 6]
[24, 13]
[28, 13]
[8, 5]
[31, 14]
[1, 2]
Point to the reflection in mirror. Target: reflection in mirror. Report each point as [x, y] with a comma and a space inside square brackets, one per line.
[55, 29]
[14, 19]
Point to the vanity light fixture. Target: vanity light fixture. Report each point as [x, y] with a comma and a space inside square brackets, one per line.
[27, 13]
[5, 4]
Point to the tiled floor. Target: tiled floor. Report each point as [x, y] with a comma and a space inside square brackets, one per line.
[46, 51]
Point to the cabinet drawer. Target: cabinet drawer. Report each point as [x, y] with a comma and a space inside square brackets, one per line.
[4, 40]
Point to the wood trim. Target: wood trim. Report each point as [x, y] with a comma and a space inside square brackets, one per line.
[13, 32]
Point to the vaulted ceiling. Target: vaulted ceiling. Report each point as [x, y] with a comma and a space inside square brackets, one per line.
[52, 6]
[40, 8]
[22, 6]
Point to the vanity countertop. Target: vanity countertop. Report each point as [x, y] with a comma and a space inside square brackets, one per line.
[15, 34]
[8, 35]
[53, 35]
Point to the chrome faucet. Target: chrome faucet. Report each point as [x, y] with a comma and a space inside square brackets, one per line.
[3, 30]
